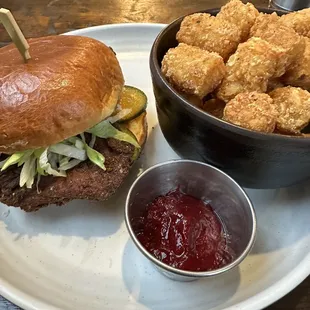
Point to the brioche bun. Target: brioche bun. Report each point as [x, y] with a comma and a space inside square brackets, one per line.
[70, 84]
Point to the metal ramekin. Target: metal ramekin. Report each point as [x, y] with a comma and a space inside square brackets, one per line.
[202, 181]
[291, 5]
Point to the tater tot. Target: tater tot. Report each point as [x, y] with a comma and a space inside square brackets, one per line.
[240, 14]
[263, 20]
[193, 70]
[249, 69]
[253, 111]
[299, 21]
[268, 27]
[209, 33]
[299, 75]
[293, 108]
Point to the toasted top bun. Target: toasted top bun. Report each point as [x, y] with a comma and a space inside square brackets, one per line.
[70, 84]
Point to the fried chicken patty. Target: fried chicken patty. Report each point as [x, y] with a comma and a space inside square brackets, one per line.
[85, 181]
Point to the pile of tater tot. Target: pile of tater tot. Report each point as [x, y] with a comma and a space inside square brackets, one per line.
[251, 69]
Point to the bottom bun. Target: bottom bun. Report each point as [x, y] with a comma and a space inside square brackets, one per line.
[85, 181]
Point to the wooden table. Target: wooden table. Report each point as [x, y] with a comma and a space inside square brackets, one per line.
[46, 17]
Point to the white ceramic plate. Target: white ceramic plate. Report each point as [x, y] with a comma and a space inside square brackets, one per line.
[80, 256]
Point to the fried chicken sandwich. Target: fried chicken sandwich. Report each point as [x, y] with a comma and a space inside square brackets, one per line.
[69, 128]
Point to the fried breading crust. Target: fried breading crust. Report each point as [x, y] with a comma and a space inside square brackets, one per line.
[193, 70]
[210, 33]
[268, 27]
[293, 107]
[240, 14]
[263, 20]
[299, 21]
[253, 111]
[299, 75]
[249, 69]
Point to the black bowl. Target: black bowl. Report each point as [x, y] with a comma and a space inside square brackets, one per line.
[255, 160]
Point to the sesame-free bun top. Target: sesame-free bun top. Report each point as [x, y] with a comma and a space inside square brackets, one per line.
[70, 84]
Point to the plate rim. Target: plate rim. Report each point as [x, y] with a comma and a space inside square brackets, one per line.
[261, 300]
[77, 32]
[256, 302]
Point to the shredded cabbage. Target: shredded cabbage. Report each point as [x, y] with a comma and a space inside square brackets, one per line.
[106, 130]
[2, 163]
[56, 159]
[72, 163]
[12, 160]
[73, 151]
[92, 141]
[28, 172]
[118, 116]
[96, 157]
[47, 166]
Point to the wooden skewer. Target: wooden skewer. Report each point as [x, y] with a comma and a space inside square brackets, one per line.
[9, 23]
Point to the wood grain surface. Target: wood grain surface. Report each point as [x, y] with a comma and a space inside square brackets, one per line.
[46, 17]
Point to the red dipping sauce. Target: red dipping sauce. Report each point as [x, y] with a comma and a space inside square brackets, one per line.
[184, 232]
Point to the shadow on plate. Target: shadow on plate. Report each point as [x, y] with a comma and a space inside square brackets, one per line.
[141, 280]
[282, 217]
[157, 149]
